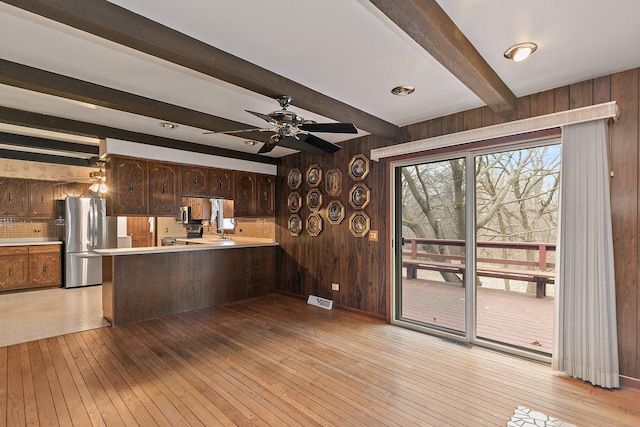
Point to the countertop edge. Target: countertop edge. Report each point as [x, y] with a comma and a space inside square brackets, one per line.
[178, 248]
[51, 242]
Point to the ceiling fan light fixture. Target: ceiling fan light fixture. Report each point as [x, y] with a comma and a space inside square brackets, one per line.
[168, 125]
[520, 52]
[403, 90]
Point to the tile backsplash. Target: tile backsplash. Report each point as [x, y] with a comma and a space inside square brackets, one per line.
[12, 228]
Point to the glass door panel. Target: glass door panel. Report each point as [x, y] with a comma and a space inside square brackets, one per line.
[516, 207]
[431, 207]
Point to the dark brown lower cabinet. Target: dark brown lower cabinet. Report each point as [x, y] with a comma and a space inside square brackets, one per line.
[23, 267]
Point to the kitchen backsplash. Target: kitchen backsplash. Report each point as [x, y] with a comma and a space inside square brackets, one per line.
[18, 228]
[251, 227]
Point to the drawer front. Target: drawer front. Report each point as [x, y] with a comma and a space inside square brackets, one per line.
[45, 249]
[14, 250]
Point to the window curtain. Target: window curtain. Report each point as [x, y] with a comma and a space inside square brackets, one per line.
[585, 335]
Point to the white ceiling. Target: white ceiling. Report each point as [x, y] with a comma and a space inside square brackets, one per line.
[346, 49]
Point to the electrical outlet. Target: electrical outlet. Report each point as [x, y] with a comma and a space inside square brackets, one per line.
[335, 286]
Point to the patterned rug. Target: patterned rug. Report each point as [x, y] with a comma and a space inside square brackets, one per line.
[525, 417]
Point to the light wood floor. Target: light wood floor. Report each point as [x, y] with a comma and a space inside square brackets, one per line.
[277, 361]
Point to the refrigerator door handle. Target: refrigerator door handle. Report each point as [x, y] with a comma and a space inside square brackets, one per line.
[92, 219]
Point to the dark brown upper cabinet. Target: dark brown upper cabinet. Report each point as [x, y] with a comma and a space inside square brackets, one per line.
[265, 196]
[195, 181]
[128, 182]
[245, 191]
[221, 183]
[164, 189]
[14, 197]
[41, 203]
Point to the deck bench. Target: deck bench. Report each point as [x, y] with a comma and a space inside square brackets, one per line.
[540, 278]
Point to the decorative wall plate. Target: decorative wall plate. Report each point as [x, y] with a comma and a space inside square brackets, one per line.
[335, 212]
[333, 182]
[359, 224]
[314, 175]
[359, 196]
[314, 224]
[359, 167]
[294, 178]
[314, 199]
[294, 202]
[295, 225]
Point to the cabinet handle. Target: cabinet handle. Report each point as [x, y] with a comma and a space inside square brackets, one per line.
[44, 269]
[195, 180]
[42, 200]
[10, 271]
[265, 196]
[220, 182]
[164, 188]
[245, 194]
[10, 197]
[130, 186]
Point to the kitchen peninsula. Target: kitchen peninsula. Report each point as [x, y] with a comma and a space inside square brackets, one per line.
[147, 283]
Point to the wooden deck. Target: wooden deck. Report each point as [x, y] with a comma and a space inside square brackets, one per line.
[517, 319]
[276, 361]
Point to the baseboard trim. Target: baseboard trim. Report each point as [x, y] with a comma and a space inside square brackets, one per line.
[628, 382]
[337, 306]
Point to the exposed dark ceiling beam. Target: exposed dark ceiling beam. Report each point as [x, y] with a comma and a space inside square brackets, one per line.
[37, 80]
[47, 144]
[426, 23]
[52, 123]
[122, 26]
[46, 158]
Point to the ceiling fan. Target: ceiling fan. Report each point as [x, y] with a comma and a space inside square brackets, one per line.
[287, 124]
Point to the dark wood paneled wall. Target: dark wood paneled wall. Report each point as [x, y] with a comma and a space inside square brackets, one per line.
[310, 264]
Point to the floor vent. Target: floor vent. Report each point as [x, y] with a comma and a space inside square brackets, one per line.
[327, 304]
[460, 343]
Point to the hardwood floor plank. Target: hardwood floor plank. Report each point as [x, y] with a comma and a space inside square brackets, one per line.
[163, 412]
[279, 361]
[114, 384]
[57, 396]
[4, 368]
[74, 403]
[43, 398]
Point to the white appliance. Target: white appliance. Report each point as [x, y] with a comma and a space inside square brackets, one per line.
[86, 228]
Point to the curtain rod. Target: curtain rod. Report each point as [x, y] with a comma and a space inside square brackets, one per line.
[547, 121]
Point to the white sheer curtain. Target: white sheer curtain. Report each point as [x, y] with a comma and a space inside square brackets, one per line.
[585, 337]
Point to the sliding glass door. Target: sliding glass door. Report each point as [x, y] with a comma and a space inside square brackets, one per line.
[475, 253]
[433, 244]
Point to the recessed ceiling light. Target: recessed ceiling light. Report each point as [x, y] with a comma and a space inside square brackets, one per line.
[168, 125]
[402, 90]
[520, 52]
[251, 143]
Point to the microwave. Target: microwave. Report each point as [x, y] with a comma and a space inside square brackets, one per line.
[185, 216]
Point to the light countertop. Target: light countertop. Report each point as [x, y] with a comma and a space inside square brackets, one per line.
[195, 245]
[29, 241]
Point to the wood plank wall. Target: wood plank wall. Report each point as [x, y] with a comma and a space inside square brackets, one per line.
[310, 264]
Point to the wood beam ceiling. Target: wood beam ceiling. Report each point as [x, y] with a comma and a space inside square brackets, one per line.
[426, 23]
[47, 144]
[34, 79]
[122, 26]
[74, 127]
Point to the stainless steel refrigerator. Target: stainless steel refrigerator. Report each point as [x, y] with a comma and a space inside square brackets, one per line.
[86, 229]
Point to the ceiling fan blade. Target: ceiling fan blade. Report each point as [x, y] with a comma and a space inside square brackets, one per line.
[319, 143]
[237, 131]
[329, 127]
[266, 148]
[262, 116]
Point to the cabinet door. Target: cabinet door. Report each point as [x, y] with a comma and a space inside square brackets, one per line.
[221, 182]
[164, 189]
[265, 197]
[245, 190]
[128, 186]
[195, 181]
[80, 189]
[14, 270]
[41, 199]
[14, 197]
[45, 267]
